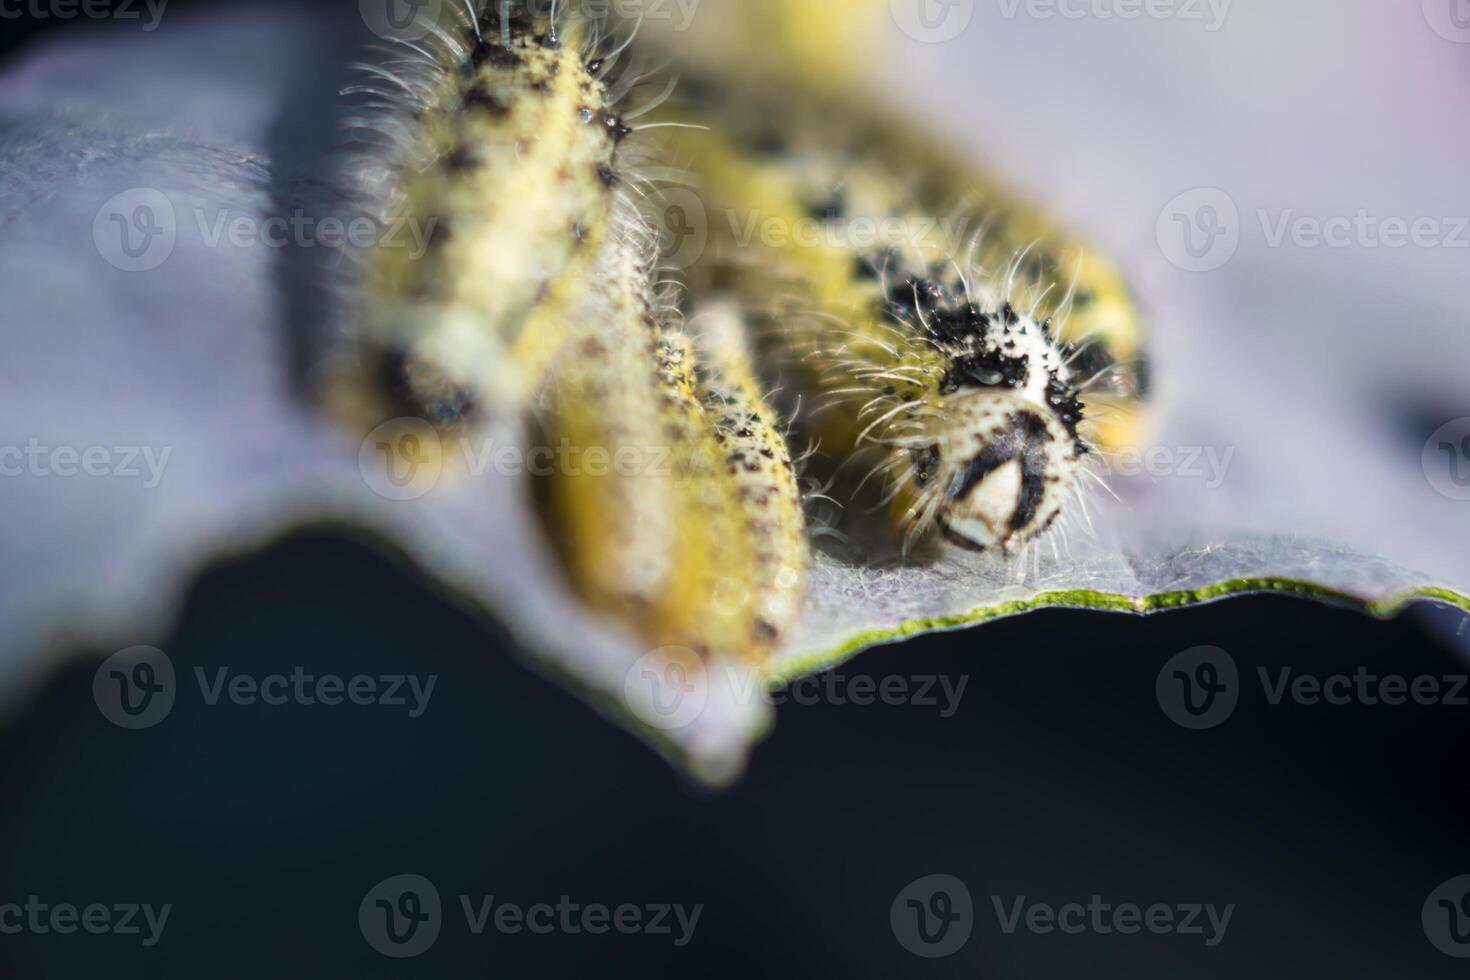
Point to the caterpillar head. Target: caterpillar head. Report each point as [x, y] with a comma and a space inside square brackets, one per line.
[1001, 474]
[1001, 453]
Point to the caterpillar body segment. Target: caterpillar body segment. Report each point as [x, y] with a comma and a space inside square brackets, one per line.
[785, 78]
[946, 204]
[703, 545]
[757, 458]
[509, 166]
[611, 518]
[706, 606]
[817, 46]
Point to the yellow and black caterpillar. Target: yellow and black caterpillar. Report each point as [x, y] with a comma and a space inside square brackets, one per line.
[968, 350]
[969, 360]
[538, 292]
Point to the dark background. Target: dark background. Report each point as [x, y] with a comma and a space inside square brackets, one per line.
[1059, 778]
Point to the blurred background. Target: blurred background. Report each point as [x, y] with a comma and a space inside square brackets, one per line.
[1056, 776]
[1057, 772]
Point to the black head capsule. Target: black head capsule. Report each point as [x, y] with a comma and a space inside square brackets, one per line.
[1002, 480]
[1004, 454]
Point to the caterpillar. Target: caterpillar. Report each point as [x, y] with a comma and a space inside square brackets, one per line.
[702, 544]
[538, 293]
[504, 149]
[974, 370]
[612, 526]
[969, 368]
